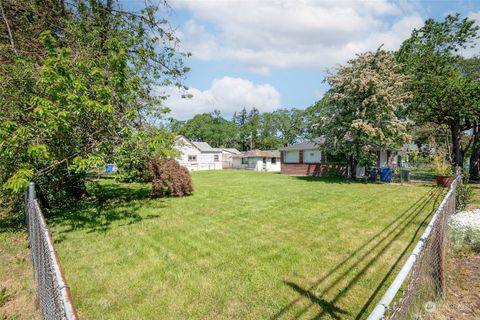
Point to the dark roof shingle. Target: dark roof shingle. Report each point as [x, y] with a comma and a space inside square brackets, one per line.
[308, 144]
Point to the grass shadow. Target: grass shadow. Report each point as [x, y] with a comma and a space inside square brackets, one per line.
[12, 221]
[381, 241]
[337, 180]
[108, 204]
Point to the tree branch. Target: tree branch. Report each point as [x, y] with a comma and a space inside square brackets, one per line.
[12, 43]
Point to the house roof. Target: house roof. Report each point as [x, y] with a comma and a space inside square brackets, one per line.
[231, 150]
[259, 154]
[200, 145]
[308, 144]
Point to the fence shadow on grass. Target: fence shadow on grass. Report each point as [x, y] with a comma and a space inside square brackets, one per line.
[108, 204]
[380, 242]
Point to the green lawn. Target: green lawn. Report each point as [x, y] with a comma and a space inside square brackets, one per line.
[246, 245]
[17, 290]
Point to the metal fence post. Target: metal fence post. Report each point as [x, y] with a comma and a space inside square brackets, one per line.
[32, 195]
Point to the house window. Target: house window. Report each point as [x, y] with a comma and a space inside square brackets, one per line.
[216, 157]
[192, 158]
[274, 160]
[312, 156]
[264, 160]
[244, 160]
[292, 156]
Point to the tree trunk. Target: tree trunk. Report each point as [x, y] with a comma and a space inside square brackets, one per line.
[353, 167]
[457, 151]
[475, 156]
[354, 163]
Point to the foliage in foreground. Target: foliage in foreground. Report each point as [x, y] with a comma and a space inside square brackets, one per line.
[445, 88]
[170, 178]
[133, 155]
[84, 86]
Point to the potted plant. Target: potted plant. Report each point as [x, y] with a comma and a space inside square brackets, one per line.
[443, 171]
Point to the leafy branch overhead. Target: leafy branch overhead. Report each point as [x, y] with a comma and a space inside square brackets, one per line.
[76, 83]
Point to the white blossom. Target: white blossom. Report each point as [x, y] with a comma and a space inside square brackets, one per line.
[465, 229]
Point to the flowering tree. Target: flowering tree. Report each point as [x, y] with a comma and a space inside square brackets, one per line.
[364, 107]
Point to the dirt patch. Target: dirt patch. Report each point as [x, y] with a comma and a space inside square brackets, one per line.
[17, 291]
[462, 299]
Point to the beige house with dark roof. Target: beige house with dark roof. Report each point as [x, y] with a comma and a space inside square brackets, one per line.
[258, 160]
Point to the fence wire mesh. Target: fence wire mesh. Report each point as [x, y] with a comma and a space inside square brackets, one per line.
[426, 281]
[53, 296]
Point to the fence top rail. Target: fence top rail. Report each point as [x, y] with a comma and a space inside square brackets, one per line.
[66, 298]
[382, 306]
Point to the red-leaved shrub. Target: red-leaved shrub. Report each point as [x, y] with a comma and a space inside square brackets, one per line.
[170, 178]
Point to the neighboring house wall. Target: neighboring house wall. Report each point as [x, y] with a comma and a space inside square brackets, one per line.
[274, 164]
[194, 159]
[228, 156]
[312, 156]
[385, 158]
[308, 162]
[256, 163]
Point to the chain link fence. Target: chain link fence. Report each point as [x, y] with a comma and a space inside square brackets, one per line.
[421, 281]
[53, 295]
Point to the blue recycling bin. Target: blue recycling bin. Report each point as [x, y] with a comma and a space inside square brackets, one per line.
[109, 168]
[385, 174]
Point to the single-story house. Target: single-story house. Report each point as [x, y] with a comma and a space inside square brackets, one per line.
[385, 157]
[307, 159]
[227, 154]
[258, 160]
[197, 155]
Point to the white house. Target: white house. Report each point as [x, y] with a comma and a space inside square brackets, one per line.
[258, 160]
[195, 155]
[227, 154]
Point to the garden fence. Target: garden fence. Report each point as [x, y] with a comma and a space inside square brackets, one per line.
[53, 295]
[422, 278]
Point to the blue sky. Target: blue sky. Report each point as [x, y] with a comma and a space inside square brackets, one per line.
[272, 53]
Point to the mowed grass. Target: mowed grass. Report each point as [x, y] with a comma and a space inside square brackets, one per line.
[17, 288]
[246, 245]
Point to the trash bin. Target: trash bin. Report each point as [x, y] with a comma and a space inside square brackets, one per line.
[405, 175]
[109, 168]
[385, 174]
[372, 175]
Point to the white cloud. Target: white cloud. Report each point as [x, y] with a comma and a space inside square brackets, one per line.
[470, 52]
[226, 94]
[283, 34]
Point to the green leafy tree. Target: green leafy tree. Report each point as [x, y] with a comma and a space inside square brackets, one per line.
[291, 125]
[82, 87]
[442, 93]
[240, 119]
[471, 68]
[268, 138]
[136, 150]
[364, 107]
[211, 128]
[250, 130]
